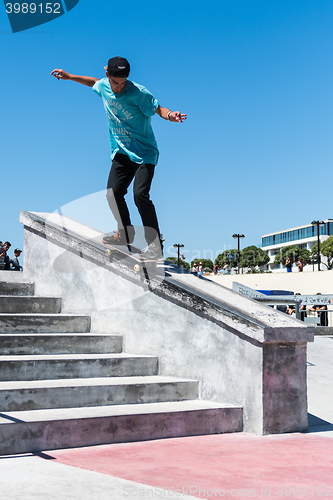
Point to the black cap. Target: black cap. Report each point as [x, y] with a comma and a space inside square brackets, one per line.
[118, 66]
[17, 250]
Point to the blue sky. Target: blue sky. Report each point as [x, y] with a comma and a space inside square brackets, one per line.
[254, 77]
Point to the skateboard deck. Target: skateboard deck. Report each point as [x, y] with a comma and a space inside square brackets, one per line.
[131, 254]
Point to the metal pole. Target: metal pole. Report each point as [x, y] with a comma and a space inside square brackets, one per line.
[238, 236]
[238, 252]
[318, 247]
[178, 246]
[318, 223]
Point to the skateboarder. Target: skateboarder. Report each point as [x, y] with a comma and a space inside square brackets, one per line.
[134, 152]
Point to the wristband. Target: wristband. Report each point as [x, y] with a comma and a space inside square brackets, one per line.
[168, 116]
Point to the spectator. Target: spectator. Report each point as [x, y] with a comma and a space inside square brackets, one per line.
[215, 269]
[3, 255]
[195, 269]
[302, 308]
[291, 309]
[300, 265]
[303, 312]
[321, 313]
[288, 265]
[14, 262]
[226, 269]
[200, 271]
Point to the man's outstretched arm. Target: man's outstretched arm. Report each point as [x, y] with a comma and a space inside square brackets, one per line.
[89, 81]
[173, 116]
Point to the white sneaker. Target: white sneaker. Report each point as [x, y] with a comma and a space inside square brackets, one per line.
[152, 252]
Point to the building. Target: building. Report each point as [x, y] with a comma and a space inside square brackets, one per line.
[302, 236]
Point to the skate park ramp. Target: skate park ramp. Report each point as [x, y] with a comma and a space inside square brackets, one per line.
[242, 353]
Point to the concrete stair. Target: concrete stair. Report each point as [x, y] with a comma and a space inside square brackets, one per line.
[40, 305]
[43, 323]
[63, 386]
[16, 289]
[59, 343]
[68, 393]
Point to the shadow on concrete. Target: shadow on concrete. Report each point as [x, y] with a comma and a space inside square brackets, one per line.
[317, 424]
[12, 419]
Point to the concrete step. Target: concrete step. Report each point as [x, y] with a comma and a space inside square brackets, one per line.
[59, 343]
[35, 395]
[41, 430]
[40, 305]
[61, 366]
[8, 288]
[44, 323]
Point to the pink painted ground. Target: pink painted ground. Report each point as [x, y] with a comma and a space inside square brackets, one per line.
[295, 465]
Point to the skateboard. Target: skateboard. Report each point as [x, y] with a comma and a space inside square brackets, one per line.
[131, 254]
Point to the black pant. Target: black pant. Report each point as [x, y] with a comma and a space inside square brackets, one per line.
[122, 172]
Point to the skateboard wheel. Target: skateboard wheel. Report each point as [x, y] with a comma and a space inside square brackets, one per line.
[136, 268]
[108, 252]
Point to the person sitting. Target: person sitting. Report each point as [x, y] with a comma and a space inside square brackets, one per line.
[14, 262]
[4, 259]
[226, 268]
[321, 312]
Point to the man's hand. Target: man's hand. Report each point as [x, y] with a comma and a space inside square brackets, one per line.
[177, 116]
[173, 116]
[60, 74]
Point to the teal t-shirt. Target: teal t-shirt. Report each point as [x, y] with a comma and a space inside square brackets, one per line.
[129, 115]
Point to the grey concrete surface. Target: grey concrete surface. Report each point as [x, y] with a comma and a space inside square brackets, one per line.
[31, 477]
[320, 385]
[198, 329]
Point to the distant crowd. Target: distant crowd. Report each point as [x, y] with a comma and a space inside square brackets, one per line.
[7, 263]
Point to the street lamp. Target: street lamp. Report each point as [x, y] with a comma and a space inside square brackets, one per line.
[318, 223]
[178, 246]
[238, 236]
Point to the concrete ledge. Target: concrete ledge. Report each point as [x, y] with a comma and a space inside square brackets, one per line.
[323, 330]
[202, 296]
[226, 307]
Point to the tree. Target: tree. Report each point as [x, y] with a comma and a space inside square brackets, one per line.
[253, 257]
[222, 258]
[207, 264]
[294, 252]
[326, 249]
[182, 263]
